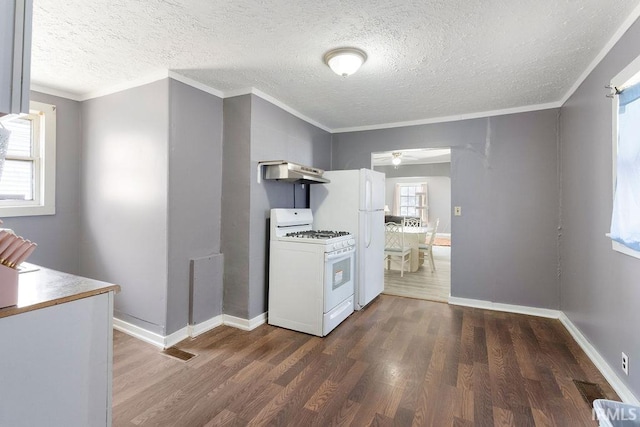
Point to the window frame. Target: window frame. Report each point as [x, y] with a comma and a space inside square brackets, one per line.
[44, 196]
[624, 78]
[418, 193]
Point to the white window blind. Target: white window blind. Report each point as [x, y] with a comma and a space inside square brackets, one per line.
[28, 179]
[625, 221]
[18, 177]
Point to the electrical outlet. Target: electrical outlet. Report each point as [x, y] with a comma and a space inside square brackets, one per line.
[625, 363]
[457, 210]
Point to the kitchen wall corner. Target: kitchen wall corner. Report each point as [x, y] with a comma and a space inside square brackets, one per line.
[58, 235]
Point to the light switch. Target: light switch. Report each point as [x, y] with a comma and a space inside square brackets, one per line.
[457, 210]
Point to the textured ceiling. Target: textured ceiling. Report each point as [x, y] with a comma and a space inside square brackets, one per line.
[427, 59]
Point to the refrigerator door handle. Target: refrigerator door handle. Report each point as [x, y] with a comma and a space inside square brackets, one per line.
[367, 230]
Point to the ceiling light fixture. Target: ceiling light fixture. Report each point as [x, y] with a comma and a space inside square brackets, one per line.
[396, 160]
[345, 60]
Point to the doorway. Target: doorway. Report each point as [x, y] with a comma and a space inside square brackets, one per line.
[418, 187]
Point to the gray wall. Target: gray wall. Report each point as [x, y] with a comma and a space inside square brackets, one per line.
[124, 199]
[235, 204]
[276, 134]
[58, 235]
[195, 194]
[600, 287]
[504, 176]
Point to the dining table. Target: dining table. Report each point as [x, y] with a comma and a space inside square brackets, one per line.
[413, 237]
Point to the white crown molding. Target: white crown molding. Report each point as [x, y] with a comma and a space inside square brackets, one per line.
[257, 92]
[196, 84]
[150, 78]
[509, 308]
[289, 110]
[183, 79]
[626, 24]
[55, 92]
[207, 325]
[610, 375]
[238, 92]
[444, 119]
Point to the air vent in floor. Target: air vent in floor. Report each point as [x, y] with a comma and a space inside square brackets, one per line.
[178, 354]
[589, 391]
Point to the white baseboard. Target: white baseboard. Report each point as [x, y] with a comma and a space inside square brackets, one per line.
[509, 308]
[176, 337]
[207, 325]
[612, 377]
[245, 324]
[150, 337]
[188, 331]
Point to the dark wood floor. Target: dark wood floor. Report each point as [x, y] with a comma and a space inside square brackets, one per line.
[399, 362]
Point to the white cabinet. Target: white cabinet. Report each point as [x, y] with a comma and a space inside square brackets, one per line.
[56, 352]
[15, 55]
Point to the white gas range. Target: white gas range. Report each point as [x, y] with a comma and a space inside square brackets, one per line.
[311, 274]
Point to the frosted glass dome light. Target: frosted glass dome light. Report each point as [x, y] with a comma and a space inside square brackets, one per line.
[345, 61]
[396, 159]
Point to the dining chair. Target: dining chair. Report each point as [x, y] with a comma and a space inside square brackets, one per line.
[395, 245]
[412, 222]
[427, 248]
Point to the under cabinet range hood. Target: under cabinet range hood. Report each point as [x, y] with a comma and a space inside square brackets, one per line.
[282, 170]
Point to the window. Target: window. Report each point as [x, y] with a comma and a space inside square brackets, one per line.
[411, 200]
[27, 179]
[625, 218]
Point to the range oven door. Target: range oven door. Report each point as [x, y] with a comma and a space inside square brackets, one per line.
[338, 277]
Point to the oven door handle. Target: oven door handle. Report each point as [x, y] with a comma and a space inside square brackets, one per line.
[332, 257]
[345, 306]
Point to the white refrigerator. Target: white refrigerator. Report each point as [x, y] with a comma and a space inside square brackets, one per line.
[354, 201]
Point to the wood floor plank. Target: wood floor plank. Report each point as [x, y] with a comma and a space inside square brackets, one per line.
[346, 414]
[224, 418]
[399, 362]
[423, 283]
[332, 406]
[482, 402]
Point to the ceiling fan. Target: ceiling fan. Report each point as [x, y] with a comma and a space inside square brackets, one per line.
[393, 157]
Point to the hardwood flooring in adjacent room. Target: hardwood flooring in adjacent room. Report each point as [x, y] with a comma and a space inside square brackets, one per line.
[423, 284]
[398, 362]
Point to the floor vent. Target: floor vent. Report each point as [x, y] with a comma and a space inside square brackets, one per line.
[589, 391]
[178, 354]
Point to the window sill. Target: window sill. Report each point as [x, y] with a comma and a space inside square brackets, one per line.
[13, 211]
[619, 247]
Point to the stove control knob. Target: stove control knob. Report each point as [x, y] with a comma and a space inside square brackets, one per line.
[339, 244]
[352, 242]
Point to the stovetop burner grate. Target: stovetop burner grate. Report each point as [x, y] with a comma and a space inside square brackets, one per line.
[318, 234]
